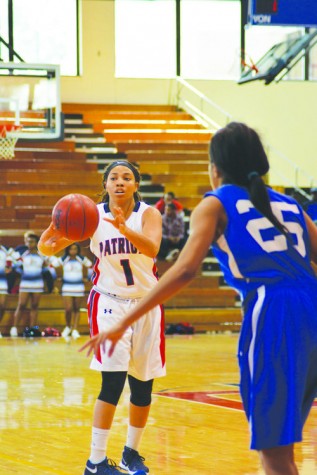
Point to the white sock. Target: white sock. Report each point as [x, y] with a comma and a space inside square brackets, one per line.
[99, 440]
[134, 437]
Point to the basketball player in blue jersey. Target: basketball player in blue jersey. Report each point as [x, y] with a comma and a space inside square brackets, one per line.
[264, 243]
[125, 244]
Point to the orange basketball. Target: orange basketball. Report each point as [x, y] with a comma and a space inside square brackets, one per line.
[76, 217]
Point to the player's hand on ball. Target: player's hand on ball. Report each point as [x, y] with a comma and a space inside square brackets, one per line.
[48, 242]
[119, 220]
[113, 335]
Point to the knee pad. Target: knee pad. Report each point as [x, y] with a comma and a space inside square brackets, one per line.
[112, 386]
[141, 391]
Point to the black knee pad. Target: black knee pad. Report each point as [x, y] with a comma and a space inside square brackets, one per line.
[141, 391]
[112, 386]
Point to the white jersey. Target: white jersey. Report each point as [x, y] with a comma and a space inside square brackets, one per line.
[5, 256]
[73, 283]
[32, 274]
[120, 269]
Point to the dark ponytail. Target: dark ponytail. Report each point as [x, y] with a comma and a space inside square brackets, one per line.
[239, 155]
[260, 199]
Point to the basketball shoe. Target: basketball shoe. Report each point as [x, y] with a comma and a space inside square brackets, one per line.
[14, 331]
[172, 255]
[106, 467]
[132, 462]
[66, 332]
[75, 334]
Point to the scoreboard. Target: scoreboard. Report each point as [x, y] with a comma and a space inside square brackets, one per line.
[283, 12]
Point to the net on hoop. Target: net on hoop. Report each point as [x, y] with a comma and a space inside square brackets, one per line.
[8, 140]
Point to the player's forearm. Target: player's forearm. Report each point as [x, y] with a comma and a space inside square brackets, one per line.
[51, 242]
[170, 284]
[48, 250]
[144, 244]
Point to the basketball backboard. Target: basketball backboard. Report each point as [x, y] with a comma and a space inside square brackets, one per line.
[30, 97]
[280, 59]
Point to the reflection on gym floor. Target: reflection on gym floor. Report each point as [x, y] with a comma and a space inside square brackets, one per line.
[196, 424]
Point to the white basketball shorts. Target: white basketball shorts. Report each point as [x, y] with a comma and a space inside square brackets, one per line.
[141, 351]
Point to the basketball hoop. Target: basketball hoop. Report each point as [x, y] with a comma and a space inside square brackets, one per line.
[247, 62]
[8, 139]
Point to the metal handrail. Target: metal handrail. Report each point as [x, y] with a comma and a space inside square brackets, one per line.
[201, 116]
[203, 98]
[291, 185]
[297, 170]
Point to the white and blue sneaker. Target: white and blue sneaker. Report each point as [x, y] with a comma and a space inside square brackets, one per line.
[106, 467]
[132, 462]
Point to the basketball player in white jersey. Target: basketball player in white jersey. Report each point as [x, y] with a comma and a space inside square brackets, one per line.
[125, 244]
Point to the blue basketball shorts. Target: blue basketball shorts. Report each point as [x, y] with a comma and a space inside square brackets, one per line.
[277, 356]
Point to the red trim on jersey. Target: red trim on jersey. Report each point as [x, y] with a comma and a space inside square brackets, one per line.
[92, 315]
[162, 332]
[162, 343]
[96, 270]
[155, 270]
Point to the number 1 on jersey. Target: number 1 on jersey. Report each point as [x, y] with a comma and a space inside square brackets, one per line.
[127, 271]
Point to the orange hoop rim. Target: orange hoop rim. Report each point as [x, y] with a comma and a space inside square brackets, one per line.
[5, 128]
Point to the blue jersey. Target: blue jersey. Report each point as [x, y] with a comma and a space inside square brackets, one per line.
[278, 340]
[252, 251]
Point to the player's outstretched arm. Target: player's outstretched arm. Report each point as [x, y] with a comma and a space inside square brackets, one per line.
[52, 241]
[113, 335]
[204, 223]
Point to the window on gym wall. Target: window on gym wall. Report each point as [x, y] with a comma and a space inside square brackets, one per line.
[145, 38]
[44, 31]
[4, 53]
[259, 39]
[210, 39]
[145, 34]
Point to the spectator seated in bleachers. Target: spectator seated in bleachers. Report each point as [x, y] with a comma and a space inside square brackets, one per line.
[173, 238]
[169, 197]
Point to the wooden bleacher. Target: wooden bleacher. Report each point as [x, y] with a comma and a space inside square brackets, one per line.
[41, 173]
[203, 303]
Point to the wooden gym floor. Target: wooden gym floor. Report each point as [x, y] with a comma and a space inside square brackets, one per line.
[196, 425]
